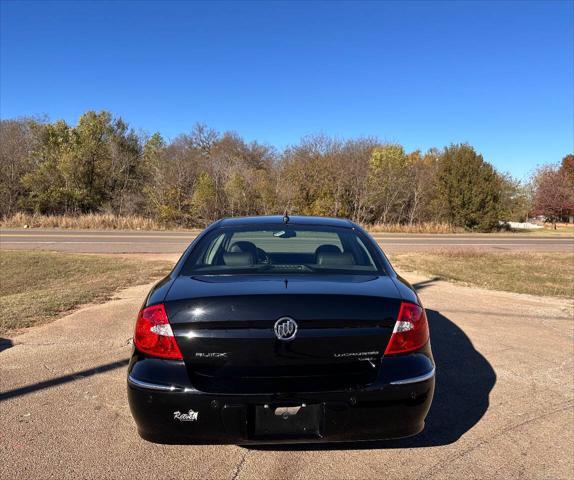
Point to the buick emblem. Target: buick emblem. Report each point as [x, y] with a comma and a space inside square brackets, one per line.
[285, 328]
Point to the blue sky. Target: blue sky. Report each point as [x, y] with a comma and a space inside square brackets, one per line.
[499, 75]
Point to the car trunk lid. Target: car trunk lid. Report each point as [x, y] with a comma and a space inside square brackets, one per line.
[225, 329]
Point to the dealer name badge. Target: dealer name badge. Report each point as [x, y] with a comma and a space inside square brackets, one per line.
[190, 416]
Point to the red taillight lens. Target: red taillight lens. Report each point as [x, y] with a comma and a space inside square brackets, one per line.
[153, 334]
[411, 331]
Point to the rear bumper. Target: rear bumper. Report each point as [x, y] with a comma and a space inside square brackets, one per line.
[172, 412]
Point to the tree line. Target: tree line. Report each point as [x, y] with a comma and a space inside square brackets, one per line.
[103, 165]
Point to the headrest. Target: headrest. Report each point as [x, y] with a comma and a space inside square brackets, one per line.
[327, 248]
[238, 259]
[327, 259]
[243, 246]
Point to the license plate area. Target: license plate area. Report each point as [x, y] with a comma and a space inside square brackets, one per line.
[287, 421]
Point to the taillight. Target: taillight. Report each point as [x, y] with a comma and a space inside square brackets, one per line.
[153, 334]
[411, 330]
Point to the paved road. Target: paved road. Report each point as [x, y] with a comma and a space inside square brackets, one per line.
[504, 404]
[175, 242]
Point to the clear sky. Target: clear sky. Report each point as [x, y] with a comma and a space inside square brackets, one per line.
[499, 75]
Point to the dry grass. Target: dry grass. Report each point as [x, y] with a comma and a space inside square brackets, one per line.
[428, 227]
[108, 221]
[562, 229]
[89, 221]
[38, 286]
[549, 274]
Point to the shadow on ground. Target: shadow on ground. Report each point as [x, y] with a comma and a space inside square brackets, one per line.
[425, 283]
[34, 387]
[464, 380]
[5, 344]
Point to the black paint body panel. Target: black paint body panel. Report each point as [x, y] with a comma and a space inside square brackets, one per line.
[234, 365]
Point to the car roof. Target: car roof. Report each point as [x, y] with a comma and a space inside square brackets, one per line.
[293, 220]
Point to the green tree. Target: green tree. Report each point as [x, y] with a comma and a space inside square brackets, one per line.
[469, 189]
[48, 189]
[92, 166]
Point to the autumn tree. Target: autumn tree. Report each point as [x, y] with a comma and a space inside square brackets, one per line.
[553, 190]
[567, 170]
[420, 188]
[160, 200]
[387, 183]
[203, 198]
[18, 140]
[306, 176]
[515, 199]
[101, 165]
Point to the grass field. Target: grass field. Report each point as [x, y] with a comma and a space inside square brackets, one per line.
[550, 274]
[561, 230]
[38, 286]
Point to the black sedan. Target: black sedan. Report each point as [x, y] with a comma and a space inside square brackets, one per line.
[281, 329]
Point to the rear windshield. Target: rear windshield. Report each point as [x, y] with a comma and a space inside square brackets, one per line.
[291, 249]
